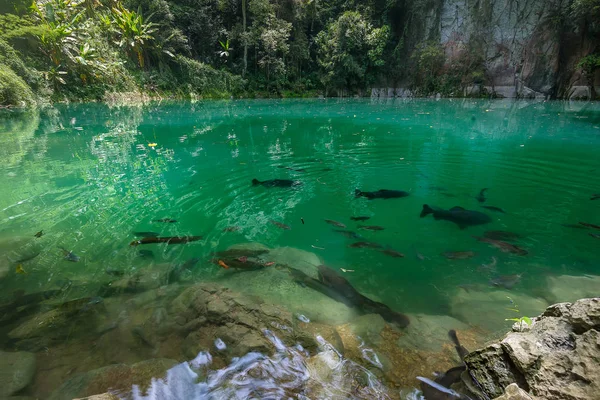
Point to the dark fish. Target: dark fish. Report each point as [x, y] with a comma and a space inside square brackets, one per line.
[362, 245]
[69, 255]
[461, 217]
[589, 225]
[348, 234]
[166, 220]
[81, 305]
[503, 246]
[351, 297]
[594, 235]
[146, 234]
[39, 234]
[460, 350]
[335, 223]
[381, 194]
[292, 169]
[450, 377]
[275, 183]
[114, 272]
[280, 225]
[144, 253]
[359, 218]
[574, 226]
[493, 208]
[231, 229]
[595, 197]
[502, 235]
[506, 281]
[327, 169]
[481, 197]
[458, 255]
[392, 253]
[371, 227]
[167, 240]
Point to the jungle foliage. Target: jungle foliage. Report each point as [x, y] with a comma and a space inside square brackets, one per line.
[86, 49]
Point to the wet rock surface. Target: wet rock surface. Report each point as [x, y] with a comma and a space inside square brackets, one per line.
[119, 377]
[557, 358]
[16, 371]
[514, 392]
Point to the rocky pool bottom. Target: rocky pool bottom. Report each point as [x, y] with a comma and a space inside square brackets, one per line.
[255, 334]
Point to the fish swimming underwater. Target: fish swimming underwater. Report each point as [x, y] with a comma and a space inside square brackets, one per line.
[361, 218]
[338, 283]
[503, 246]
[481, 197]
[506, 281]
[280, 225]
[335, 223]
[392, 253]
[292, 169]
[69, 255]
[589, 225]
[371, 227]
[381, 194]
[458, 255]
[39, 234]
[270, 183]
[494, 208]
[363, 245]
[333, 285]
[166, 239]
[166, 220]
[461, 217]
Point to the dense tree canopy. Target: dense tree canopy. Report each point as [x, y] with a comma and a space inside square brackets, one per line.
[83, 49]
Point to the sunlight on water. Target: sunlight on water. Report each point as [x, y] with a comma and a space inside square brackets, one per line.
[135, 233]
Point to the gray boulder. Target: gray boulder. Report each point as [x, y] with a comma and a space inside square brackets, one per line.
[557, 358]
[16, 371]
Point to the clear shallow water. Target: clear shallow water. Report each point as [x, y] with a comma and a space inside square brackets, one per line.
[88, 176]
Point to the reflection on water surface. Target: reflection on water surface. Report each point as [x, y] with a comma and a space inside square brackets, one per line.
[133, 241]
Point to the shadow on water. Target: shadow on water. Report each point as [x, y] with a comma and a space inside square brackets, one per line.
[85, 181]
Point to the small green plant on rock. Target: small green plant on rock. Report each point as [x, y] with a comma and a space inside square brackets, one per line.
[520, 320]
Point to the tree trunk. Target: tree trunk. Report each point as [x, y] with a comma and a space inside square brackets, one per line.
[245, 38]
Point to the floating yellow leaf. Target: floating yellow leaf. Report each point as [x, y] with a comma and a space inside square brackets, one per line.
[19, 269]
[152, 144]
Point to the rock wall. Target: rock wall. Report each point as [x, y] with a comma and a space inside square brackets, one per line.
[530, 48]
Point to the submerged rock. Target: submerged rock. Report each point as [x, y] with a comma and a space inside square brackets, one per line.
[429, 332]
[277, 286]
[571, 288]
[556, 359]
[204, 313]
[118, 377]
[304, 261]
[16, 371]
[490, 310]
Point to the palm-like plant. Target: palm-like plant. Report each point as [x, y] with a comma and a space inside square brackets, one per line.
[133, 31]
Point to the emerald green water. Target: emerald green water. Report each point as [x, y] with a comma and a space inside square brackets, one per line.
[86, 176]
